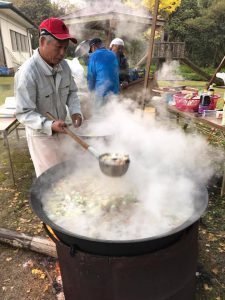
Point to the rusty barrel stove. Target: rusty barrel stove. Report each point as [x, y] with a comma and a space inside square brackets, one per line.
[156, 268]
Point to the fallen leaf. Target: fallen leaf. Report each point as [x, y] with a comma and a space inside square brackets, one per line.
[8, 258]
[221, 250]
[215, 271]
[42, 276]
[22, 220]
[207, 288]
[212, 237]
[28, 264]
[39, 273]
[46, 288]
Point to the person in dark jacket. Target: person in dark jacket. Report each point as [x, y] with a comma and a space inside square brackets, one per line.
[103, 72]
[117, 46]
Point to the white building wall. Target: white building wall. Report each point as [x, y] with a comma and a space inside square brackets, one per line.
[13, 58]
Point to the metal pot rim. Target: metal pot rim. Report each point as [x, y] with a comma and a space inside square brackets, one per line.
[42, 183]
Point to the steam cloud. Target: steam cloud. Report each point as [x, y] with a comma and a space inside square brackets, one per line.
[167, 174]
[127, 25]
[169, 71]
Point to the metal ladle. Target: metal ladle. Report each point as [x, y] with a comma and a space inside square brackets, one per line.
[111, 164]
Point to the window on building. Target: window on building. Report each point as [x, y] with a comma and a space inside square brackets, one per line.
[26, 44]
[13, 40]
[19, 42]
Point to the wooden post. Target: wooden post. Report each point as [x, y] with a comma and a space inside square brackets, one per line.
[150, 51]
[109, 34]
[217, 70]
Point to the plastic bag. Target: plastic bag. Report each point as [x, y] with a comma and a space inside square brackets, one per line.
[77, 72]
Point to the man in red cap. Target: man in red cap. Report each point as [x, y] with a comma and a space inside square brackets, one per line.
[44, 84]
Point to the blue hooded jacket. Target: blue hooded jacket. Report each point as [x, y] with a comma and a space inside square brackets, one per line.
[103, 73]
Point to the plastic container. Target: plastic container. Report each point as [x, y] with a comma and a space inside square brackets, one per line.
[187, 104]
[214, 100]
[207, 102]
[4, 71]
[133, 74]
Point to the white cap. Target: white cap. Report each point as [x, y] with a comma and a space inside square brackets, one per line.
[117, 41]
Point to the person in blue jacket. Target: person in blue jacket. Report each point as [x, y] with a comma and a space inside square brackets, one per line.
[103, 72]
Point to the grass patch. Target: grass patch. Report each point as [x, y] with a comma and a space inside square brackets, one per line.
[6, 88]
[200, 85]
[2, 175]
[190, 74]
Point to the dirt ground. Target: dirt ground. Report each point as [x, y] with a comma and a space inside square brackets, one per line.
[24, 274]
[27, 275]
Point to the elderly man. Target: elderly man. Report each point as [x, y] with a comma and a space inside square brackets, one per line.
[103, 72]
[117, 46]
[44, 84]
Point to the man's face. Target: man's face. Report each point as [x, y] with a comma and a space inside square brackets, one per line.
[93, 48]
[53, 51]
[117, 48]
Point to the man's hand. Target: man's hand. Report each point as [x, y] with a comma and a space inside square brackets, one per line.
[77, 120]
[124, 84]
[58, 126]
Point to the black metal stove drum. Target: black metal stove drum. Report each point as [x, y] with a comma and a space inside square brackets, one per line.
[162, 267]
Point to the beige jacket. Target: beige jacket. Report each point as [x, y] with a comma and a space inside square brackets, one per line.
[36, 93]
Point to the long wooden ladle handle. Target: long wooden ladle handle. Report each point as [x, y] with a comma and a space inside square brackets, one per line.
[70, 133]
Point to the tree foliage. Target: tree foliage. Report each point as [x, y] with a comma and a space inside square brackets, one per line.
[205, 3]
[165, 6]
[39, 10]
[201, 24]
[66, 5]
[176, 25]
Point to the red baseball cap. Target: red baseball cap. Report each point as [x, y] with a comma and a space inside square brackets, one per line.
[56, 28]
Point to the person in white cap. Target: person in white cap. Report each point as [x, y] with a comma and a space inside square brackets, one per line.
[44, 83]
[117, 46]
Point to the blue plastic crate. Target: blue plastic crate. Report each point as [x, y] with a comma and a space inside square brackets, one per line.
[4, 71]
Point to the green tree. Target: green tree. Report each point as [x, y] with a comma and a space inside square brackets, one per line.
[176, 26]
[208, 31]
[201, 24]
[205, 3]
[66, 5]
[37, 11]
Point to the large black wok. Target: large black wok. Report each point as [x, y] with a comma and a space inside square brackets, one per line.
[106, 247]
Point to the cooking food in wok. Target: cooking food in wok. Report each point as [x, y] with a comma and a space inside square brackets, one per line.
[106, 217]
[101, 208]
